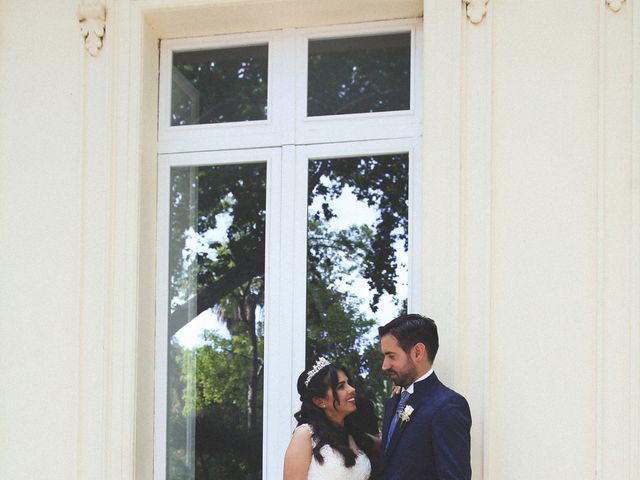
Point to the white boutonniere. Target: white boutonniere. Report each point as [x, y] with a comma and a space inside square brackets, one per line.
[405, 414]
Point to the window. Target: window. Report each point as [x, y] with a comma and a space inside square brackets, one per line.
[286, 225]
[223, 85]
[350, 75]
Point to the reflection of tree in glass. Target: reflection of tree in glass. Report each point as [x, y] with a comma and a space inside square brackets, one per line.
[382, 182]
[225, 402]
[335, 324]
[226, 394]
[225, 85]
[238, 191]
[359, 74]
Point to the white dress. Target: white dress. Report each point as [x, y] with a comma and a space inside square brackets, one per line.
[333, 467]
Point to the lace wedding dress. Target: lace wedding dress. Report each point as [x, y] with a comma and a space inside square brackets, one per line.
[333, 467]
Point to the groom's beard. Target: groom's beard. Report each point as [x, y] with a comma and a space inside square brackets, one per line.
[403, 379]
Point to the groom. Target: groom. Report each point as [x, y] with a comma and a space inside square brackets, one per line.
[426, 429]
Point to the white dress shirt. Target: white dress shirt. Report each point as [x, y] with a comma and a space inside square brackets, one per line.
[410, 387]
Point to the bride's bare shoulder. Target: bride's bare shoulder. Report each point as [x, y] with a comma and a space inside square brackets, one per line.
[298, 455]
[304, 429]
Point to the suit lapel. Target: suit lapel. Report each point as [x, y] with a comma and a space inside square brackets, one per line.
[421, 394]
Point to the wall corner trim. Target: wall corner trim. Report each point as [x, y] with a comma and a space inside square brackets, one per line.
[92, 26]
[477, 9]
[615, 5]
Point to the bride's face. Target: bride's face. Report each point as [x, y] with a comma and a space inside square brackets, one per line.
[345, 401]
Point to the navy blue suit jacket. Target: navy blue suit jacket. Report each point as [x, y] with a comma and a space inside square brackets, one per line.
[435, 444]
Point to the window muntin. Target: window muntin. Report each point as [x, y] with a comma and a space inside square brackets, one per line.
[216, 322]
[219, 85]
[359, 74]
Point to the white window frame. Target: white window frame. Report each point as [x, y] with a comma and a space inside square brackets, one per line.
[286, 121]
[359, 126]
[273, 158]
[285, 141]
[276, 130]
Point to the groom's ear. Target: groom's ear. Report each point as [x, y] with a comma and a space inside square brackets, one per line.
[419, 351]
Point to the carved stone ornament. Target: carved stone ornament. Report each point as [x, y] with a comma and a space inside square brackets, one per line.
[476, 9]
[615, 5]
[92, 24]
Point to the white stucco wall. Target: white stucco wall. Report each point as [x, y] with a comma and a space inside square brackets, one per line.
[545, 217]
[531, 230]
[41, 94]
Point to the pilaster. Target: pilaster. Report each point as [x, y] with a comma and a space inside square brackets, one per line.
[441, 175]
[617, 413]
[476, 186]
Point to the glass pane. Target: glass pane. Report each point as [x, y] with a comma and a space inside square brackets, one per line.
[221, 85]
[357, 270]
[216, 322]
[359, 74]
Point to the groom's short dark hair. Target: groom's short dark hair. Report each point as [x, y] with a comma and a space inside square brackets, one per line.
[410, 329]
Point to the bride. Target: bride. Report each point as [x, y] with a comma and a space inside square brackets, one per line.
[327, 444]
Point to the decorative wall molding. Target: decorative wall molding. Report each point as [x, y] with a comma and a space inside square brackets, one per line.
[477, 9]
[92, 25]
[615, 5]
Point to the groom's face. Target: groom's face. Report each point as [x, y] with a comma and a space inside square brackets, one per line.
[397, 363]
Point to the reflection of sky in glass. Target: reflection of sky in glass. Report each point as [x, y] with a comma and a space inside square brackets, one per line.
[191, 335]
[351, 211]
[196, 243]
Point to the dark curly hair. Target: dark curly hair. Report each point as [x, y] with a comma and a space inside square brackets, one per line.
[324, 432]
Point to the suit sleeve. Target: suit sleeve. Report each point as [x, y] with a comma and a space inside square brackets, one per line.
[451, 433]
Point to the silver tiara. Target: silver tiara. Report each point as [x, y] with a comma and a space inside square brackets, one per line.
[320, 364]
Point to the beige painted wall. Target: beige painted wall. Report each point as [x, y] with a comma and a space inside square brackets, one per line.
[532, 243]
[549, 161]
[545, 216]
[40, 210]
